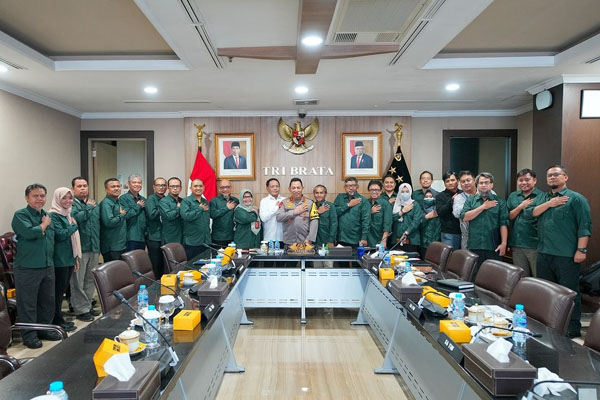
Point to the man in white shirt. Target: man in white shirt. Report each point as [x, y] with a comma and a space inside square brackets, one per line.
[272, 230]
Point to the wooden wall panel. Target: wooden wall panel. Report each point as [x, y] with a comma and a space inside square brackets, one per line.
[547, 133]
[269, 151]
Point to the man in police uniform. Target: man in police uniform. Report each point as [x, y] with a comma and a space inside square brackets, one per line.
[298, 215]
[564, 228]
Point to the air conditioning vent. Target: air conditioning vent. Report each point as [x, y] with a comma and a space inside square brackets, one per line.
[196, 19]
[306, 102]
[11, 64]
[387, 37]
[593, 60]
[345, 37]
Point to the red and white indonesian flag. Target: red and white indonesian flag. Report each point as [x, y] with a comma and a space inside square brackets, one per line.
[203, 170]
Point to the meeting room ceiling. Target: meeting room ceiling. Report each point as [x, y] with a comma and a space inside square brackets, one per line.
[93, 58]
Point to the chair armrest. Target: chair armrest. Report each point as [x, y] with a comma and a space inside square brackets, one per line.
[12, 362]
[40, 327]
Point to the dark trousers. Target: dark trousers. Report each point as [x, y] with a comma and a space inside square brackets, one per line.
[483, 255]
[156, 257]
[112, 255]
[35, 297]
[222, 243]
[62, 276]
[135, 245]
[192, 252]
[564, 271]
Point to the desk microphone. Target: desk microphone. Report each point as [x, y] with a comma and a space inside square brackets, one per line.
[528, 333]
[122, 299]
[139, 274]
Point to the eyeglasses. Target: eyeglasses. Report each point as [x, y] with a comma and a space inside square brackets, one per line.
[484, 183]
[350, 185]
[174, 186]
[160, 185]
[374, 190]
[554, 174]
[224, 187]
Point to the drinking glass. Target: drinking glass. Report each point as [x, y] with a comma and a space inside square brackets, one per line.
[166, 307]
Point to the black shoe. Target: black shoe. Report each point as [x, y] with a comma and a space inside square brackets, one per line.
[573, 335]
[33, 343]
[69, 327]
[69, 323]
[50, 335]
[94, 313]
[94, 302]
[86, 317]
[71, 309]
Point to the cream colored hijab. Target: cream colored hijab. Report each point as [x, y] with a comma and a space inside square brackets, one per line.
[66, 212]
[399, 203]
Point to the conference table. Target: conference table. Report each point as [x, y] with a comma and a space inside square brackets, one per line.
[298, 282]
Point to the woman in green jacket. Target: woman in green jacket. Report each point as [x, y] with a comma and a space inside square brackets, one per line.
[431, 229]
[407, 215]
[247, 233]
[67, 249]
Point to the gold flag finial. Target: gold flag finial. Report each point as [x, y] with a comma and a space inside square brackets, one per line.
[199, 133]
[398, 133]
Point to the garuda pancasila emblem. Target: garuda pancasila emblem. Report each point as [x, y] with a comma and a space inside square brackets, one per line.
[298, 136]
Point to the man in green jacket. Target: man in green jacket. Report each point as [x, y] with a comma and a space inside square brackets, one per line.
[154, 224]
[221, 212]
[381, 215]
[87, 216]
[133, 203]
[487, 216]
[172, 228]
[523, 237]
[33, 266]
[113, 228]
[564, 229]
[196, 221]
[354, 215]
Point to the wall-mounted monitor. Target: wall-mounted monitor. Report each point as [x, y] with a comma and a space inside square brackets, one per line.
[590, 103]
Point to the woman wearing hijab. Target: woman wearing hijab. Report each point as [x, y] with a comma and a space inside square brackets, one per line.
[247, 222]
[407, 220]
[67, 249]
[431, 229]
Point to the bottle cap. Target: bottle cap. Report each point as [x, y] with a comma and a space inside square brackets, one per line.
[459, 296]
[56, 386]
[151, 308]
[142, 286]
[519, 307]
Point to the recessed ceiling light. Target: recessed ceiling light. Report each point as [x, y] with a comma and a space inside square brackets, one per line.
[451, 87]
[150, 89]
[3, 68]
[312, 41]
[301, 89]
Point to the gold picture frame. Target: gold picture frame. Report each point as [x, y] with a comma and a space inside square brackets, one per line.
[369, 161]
[240, 168]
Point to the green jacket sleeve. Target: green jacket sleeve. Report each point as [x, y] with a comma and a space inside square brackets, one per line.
[152, 210]
[583, 217]
[128, 204]
[415, 219]
[467, 207]
[366, 219]
[167, 212]
[81, 214]
[189, 210]
[503, 215]
[341, 205]
[241, 216]
[22, 226]
[215, 210]
[62, 232]
[107, 215]
[387, 217]
[333, 224]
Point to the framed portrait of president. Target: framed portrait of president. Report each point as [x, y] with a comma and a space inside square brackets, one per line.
[235, 156]
[361, 155]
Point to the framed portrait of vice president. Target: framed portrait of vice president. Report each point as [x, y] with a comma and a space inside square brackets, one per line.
[361, 155]
[235, 156]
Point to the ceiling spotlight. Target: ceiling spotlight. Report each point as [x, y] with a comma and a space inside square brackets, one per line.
[451, 87]
[312, 41]
[150, 89]
[301, 89]
[3, 68]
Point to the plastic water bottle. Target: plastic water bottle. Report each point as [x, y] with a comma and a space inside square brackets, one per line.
[519, 320]
[408, 268]
[151, 334]
[381, 250]
[386, 260]
[142, 299]
[57, 390]
[458, 307]
[276, 246]
[271, 247]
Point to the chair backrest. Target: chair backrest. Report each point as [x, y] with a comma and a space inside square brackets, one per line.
[138, 260]
[113, 275]
[5, 324]
[173, 252]
[461, 264]
[437, 254]
[8, 250]
[545, 301]
[592, 337]
[496, 280]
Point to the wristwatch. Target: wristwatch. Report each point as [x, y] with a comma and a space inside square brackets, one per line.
[582, 250]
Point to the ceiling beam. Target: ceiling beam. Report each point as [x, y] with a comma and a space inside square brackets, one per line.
[289, 52]
[314, 18]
